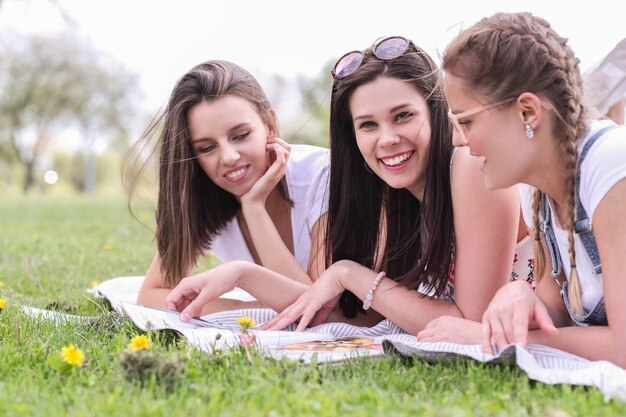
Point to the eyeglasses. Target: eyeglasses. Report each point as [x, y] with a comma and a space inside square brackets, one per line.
[385, 49]
[454, 118]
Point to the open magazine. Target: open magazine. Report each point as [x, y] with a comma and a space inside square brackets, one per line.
[220, 331]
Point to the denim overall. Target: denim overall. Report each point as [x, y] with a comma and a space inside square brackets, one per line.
[582, 227]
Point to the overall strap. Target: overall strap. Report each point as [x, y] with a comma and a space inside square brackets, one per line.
[545, 227]
[582, 222]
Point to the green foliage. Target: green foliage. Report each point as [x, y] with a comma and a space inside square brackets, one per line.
[51, 248]
[52, 83]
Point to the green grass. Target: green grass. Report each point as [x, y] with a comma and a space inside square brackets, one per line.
[52, 248]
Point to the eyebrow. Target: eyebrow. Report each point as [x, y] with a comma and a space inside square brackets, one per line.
[392, 110]
[203, 139]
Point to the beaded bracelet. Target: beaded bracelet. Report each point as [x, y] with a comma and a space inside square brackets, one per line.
[370, 294]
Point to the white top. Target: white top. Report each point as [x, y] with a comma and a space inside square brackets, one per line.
[603, 167]
[307, 181]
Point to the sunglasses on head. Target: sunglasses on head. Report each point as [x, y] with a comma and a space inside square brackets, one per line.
[385, 49]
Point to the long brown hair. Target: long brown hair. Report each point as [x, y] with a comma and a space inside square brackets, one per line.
[419, 236]
[507, 54]
[191, 209]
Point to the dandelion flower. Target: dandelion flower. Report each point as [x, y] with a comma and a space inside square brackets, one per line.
[245, 322]
[139, 342]
[35, 238]
[1, 284]
[72, 355]
[93, 284]
[3, 303]
[108, 247]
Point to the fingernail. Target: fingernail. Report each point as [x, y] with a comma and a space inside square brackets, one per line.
[185, 317]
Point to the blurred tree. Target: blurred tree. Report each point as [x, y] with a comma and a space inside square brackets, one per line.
[315, 95]
[52, 83]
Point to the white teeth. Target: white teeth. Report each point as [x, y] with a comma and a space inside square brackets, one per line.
[396, 160]
[235, 174]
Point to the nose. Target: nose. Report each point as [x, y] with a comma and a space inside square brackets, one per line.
[458, 139]
[388, 137]
[229, 155]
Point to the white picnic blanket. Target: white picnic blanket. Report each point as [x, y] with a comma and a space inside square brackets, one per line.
[540, 363]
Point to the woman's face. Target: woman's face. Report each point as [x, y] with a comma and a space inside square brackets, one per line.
[229, 138]
[392, 127]
[496, 135]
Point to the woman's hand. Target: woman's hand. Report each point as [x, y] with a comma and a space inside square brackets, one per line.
[451, 329]
[279, 151]
[313, 306]
[193, 292]
[512, 312]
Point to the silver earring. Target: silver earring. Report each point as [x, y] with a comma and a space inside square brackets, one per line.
[530, 133]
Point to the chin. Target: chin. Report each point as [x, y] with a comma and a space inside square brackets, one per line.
[497, 184]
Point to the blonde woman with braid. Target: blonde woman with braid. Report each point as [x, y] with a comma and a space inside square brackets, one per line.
[514, 90]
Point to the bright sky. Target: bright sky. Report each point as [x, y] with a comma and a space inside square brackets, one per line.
[162, 39]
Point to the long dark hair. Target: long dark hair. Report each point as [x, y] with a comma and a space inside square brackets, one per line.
[419, 237]
[191, 209]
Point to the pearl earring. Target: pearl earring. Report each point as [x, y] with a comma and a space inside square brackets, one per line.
[530, 133]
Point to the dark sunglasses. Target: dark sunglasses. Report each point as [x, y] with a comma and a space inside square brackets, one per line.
[385, 49]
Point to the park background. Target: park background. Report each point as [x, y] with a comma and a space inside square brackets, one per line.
[80, 80]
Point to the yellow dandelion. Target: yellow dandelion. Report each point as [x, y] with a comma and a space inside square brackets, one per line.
[93, 284]
[35, 238]
[1, 284]
[108, 247]
[245, 322]
[72, 355]
[3, 303]
[139, 342]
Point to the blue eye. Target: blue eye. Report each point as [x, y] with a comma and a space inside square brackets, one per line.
[206, 149]
[366, 125]
[403, 116]
[241, 136]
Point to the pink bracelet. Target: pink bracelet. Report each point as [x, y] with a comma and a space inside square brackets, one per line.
[370, 294]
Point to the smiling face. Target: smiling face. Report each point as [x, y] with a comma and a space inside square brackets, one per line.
[496, 135]
[229, 138]
[392, 127]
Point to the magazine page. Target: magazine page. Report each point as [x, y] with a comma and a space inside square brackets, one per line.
[329, 350]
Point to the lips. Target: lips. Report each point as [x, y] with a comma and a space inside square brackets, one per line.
[396, 161]
[237, 174]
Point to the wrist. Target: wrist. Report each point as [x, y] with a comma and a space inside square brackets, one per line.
[244, 270]
[249, 205]
[341, 273]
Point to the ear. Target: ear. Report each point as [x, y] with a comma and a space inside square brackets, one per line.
[531, 110]
[272, 126]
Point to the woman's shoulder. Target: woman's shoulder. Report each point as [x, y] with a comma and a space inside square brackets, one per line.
[306, 162]
[301, 152]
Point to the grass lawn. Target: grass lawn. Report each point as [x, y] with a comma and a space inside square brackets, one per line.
[52, 248]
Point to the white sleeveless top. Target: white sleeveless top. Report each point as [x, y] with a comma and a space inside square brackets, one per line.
[307, 181]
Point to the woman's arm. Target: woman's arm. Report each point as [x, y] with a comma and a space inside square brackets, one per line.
[603, 342]
[153, 293]
[194, 293]
[486, 225]
[270, 247]
[407, 308]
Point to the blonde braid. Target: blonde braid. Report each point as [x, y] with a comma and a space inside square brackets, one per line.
[568, 105]
[540, 256]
